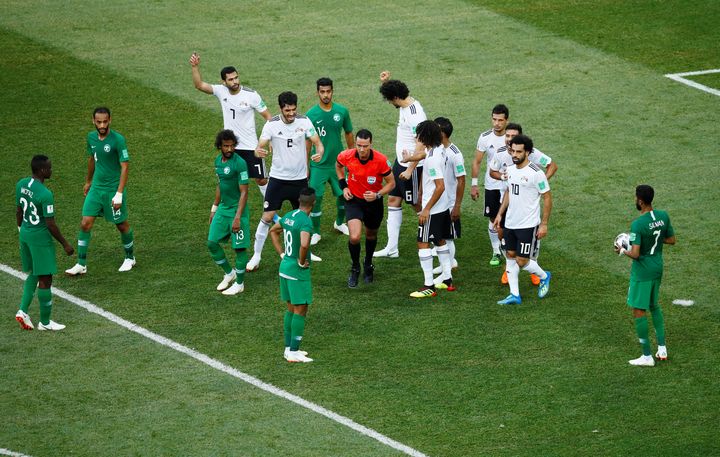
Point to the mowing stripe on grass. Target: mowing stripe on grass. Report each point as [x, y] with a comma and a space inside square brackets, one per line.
[222, 367]
[679, 78]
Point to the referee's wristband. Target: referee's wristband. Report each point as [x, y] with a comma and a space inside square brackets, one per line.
[343, 183]
[474, 182]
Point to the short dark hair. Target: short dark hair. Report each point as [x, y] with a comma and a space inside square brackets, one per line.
[38, 162]
[307, 197]
[514, 126]
[446, 126]
[525, 141]
[226, 71]
[101, 110]
[287, 99]
[501, 109]
[645, 193]
[324, 82]
[392, 89]
[428, 133]
[224, 135]
[364, 134]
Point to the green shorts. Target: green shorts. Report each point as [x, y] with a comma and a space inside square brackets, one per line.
[643, 294]
[320, 176]
[295, 291]
[38, 259]
[98, 202]
[221, 230]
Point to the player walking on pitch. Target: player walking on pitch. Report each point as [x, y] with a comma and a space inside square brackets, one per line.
[407, 179]
[295, 286]
[526, 183]
[331, 120]
[648, 234]
[239, 105]
[104, 189]
[35, 217]
[286, 133]
[363, 190]
[229, 215]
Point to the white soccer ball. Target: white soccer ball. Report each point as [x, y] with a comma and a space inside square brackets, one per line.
[622, 241]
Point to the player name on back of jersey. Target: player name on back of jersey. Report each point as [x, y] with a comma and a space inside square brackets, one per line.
[655, 224]
[26, 191]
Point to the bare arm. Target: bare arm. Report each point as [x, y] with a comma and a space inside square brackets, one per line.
[319, 148]
[216, 202]
[197, 78]
[55, 232]
[501, 211]
[275, 236]
[266, 115]
[304, 248]
[546, 210]
[475, 170]
[350, 140]
[19, 216]
[261, 150]
[550, 170]
[124, 168]
[242, 201]
[669, 240]
[459, 192]
[90, 174]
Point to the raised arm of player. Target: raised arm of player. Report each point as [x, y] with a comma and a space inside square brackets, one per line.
[197, 78]
[475, 171]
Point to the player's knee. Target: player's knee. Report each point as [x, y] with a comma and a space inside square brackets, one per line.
[213, 246]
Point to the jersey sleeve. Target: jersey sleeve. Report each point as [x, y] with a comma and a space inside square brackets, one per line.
[433, 168]
[88, 148]
[242, 170]
[310, 131]
[459, 164]
[385, 166]
[258, 104]
[414, 119]
[123, 155]
[542, 183]
[343, 157]
[539, 158]
[481, 146]
[495, 164]
[266, 133]
[48, 205]
[635, 237]
[217, 90]
[306, 226]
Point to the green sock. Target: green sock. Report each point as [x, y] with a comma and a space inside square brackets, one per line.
[31, 284]
[641, 327]
[127, 242]
[287, 326]
[83, 245]
[340, 219]
[45, 299]
[298, 328]
[241, 259]
[316, 213]
[218, 255]
[659, 324]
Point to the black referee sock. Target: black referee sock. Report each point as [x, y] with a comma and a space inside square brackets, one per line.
[369, 250]
[354, 254]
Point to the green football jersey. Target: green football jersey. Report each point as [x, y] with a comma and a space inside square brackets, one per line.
[330, 126]
[36, 201]
[293, 223]
[108, 154]
[231, 173]
[649, 231]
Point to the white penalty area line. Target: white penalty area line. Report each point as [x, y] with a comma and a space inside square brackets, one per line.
[221, 367]
[11, 453]
[679, 77]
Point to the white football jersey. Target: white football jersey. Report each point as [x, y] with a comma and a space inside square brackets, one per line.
[410, 117]
[501, 162]
[525, 186]
[239, 113]
[454, 168]
[289, 154]
[537, 157]
[489, 143]
[434, 169]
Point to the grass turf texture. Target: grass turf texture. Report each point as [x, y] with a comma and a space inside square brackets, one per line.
[456, 375]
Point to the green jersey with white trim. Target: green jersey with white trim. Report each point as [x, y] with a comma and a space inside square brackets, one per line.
[108, 154]
[231, 173]
[294, 223]
[330, 126]
[37, 203]
[649, 231]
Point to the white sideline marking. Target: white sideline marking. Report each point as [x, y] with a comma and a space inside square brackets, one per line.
[679, 78]
[222, 367]
[683, 302]
[11, 453]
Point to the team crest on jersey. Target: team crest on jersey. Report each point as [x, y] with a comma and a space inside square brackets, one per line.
[371, 179]
[523, 179]
[266, 204]
[336, 117]
[106, 148]
[226, 170]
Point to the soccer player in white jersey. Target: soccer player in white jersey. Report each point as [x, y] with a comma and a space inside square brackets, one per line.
[239, 105]
[487, 146]
[434, 223]
[526, 183]
[454, 175]
[407, 179]
[504, 160]
[286, 134]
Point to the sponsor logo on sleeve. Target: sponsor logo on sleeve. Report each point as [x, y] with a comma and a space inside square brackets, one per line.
[50, 209]
[244, 175]
[542, 185]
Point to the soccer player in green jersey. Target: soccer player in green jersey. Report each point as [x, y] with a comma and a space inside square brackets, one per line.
[229, 217]
[330, 120]
[35, 217]
[104, 189]
[295, 286]
[648, 233]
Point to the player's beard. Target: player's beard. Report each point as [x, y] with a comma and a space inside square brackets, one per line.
[103, 131]
[326, 101]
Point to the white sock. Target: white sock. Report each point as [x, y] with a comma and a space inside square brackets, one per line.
[494, 239]
[394, 221]
[533, 268]
[262, 189]
[260, 236]
[451, 248]
[445, 261]
[426, 262]
[513, 272]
